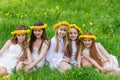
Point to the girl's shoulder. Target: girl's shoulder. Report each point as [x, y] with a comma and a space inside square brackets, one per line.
[97, 43]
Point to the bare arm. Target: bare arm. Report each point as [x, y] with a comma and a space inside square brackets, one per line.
[5, 47]
[42, 54]
[29, 57]
[92, 61]
[79, 59]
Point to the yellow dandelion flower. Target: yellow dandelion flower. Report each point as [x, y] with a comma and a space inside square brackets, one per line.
[83, 25]
[45, 13]
[57, 8]
[21, 16]
[17, 14]
[7, 14]
[5, 77]
[91, 23]
[102, 3]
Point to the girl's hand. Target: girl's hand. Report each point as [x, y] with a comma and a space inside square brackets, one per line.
[66, 59]
[28, 68]
[79, 66]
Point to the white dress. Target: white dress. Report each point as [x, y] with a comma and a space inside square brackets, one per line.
[10, 57]
[52, 57]
[35, 55]
[74, 49]
[107, 65]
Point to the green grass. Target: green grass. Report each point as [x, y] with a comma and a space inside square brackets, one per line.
[101, 17]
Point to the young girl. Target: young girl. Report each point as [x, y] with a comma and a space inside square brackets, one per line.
[74, 46]
[38, 45]
[99, 55]
[55, 54]
[14, 50]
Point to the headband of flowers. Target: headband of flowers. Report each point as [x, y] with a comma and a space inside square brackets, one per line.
[62, 23]
[88, 36]
[76, 27]
[20, 32]
[39, 27]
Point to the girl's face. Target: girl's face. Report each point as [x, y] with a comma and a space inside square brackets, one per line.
[87, 42]
[73, 34]
[62, 30]
[38, 33]
[21, 37]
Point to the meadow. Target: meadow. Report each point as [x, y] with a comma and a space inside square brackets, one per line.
[101, 17]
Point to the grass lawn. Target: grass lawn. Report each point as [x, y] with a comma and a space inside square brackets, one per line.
[101, 17]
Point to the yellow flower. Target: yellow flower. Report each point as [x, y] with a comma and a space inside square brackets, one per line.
[5, 77]
[91, 23]
[76, 27]
[21, 16]
[7, 14]
[17, 14]
[45, 13]
[38, 27]
[83, 25]
[57, 8]
[62, 23]
[88, 36]
[20, 32]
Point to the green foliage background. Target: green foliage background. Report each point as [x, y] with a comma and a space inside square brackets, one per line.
[101, 17]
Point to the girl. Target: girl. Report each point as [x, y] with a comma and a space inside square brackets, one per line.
[38, 45]
[99, 55]
[55, 54]
[74, 46]
[14, 50]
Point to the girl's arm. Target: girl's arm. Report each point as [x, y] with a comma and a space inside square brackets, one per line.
[66, 59]
[93, 62]
[5, 47]
[79, 59]
[29, 57]
[42, 54]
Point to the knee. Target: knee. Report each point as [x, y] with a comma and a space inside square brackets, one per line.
[3, 71]
[86, 64]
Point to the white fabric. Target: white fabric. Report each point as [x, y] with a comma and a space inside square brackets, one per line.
[52, 57]
[10, 57]
[35, 55]
[107, 65]
[74, 50]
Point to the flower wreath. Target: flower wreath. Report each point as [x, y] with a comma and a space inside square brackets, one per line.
[39, 27]
[20, 32]
[88, 36]
[76, 27]
[62, 23]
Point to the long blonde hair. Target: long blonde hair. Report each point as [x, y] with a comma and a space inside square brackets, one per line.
[65, 41]
[14, 40]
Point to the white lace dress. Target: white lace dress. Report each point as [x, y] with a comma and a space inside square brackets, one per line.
[112, 64]
[10, 57]
[74, 49]
[52, 57]
[35, 55]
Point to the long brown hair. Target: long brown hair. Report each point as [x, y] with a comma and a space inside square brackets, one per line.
[14, 40]
[33, 37]
[78, 46]
[93, 51]
[65, 41]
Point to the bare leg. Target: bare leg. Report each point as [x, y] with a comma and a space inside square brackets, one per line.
[64, 66]
[3, 71]
[86, 62]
